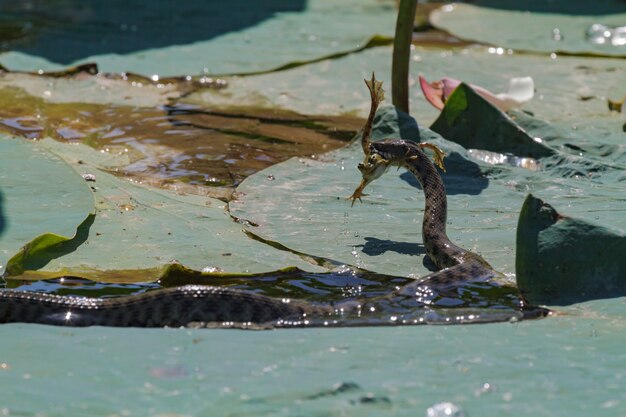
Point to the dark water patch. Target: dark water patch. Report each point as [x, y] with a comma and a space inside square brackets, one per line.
[183, 144]
[358, 298]
[79, 287]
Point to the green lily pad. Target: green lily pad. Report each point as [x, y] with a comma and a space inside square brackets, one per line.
[563, 260]
[522, 30]
[570, 91]
[473, 122]
[304, 207]
[42, 199]
[93, 89]
[137, 227]
[215, 44]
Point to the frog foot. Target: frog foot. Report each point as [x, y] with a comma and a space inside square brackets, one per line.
[439, 154]
[377, 93]
[358, 193]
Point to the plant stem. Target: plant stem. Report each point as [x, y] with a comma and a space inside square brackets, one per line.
[401, 53]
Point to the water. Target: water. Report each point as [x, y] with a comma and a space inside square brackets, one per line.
[360, 297]
[178, 143]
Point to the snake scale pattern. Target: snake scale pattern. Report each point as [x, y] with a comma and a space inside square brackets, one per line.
[182, 306]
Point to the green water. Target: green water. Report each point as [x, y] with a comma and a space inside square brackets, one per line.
[571, 365]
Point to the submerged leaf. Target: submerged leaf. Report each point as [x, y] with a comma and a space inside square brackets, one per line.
[208, 151]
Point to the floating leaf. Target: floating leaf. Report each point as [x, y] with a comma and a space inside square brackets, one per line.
[39, 195]
[563, 260]
[560, 83]
[227, 38]
[40, 251]
[522, 30]
[470, 120]
[304, 207]
[138, 227]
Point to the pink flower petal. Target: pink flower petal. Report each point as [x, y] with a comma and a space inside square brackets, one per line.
[520, 91]
[433, 92]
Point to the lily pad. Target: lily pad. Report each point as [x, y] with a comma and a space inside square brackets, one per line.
[229, 38]
[521, 30]
[94, 89]
[41, 197]
[471, 121]
[570, 91]
[383, 234]
[137, 227]
[563, 260]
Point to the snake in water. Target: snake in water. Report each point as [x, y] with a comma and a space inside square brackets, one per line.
[220, 306]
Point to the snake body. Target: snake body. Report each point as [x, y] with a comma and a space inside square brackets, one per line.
[182, 306]
[172, 307]
[457, 265]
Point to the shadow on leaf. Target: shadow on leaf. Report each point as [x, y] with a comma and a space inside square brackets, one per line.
[37, 253]
[64, 31]
[375, 247]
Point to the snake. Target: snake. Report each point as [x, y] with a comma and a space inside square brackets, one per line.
[456, 265]
[214, 306]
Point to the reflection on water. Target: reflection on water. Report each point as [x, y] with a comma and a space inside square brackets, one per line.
[610, 35]
[178, 143]
[358, 297]
[496, 158]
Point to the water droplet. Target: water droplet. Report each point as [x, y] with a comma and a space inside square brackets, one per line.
[211, 269]
[445, 410]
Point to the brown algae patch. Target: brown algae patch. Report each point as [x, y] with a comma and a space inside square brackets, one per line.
[178, 143]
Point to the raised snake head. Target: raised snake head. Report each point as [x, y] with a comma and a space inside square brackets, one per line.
[380, 155]
[390, 152]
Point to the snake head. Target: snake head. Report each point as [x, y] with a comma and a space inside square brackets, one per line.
[372, 167]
